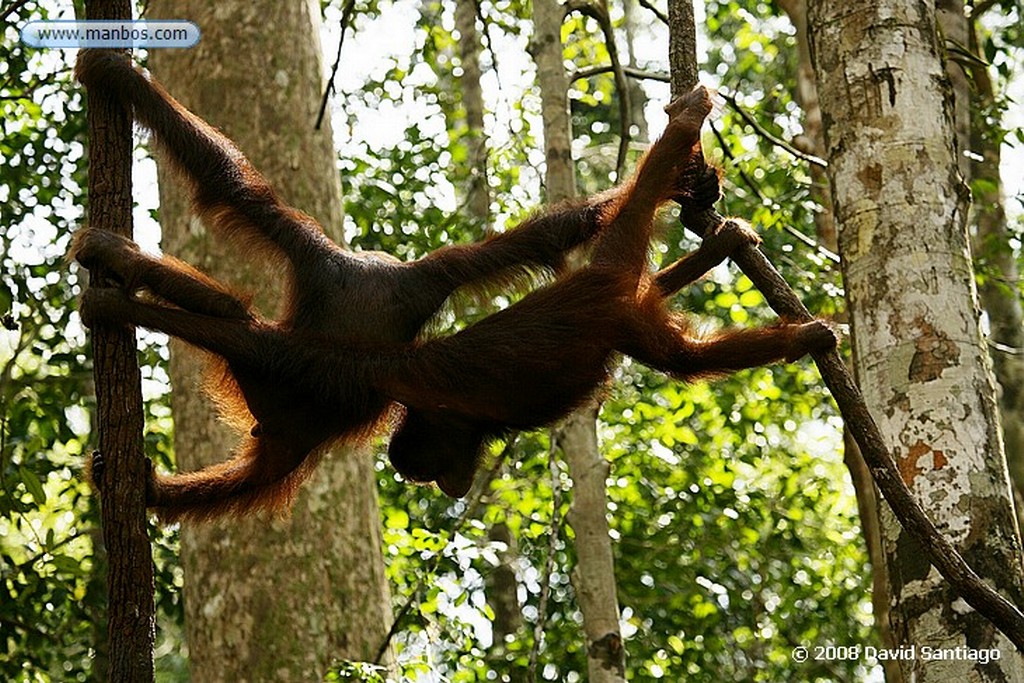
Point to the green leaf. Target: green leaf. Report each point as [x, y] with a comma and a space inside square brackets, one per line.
[32, 485]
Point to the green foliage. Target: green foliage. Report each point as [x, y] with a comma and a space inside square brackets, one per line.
[50, 595]
[357, 671]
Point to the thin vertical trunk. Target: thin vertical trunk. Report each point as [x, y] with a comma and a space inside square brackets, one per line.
[921, 362]
[502, 587]
[594, 577]
[122, 481]
[267, 599]
[478, 194]
[637, 94]
[999, 293]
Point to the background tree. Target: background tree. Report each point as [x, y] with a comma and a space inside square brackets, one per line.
[319, 573]
[997, 262]
[901, 209]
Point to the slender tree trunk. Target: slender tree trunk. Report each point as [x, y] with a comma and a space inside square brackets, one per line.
[999, 293]
[478, 195]
[594, 577]
[122, 480]
[991, 243]
[280, 599]
[637, 94]
[813, 138]
[901, 211]
[502, 587]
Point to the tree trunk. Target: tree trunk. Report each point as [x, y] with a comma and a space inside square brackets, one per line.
[267, 599]
[920, 359]
[637, 94]
[501, 585]
[478, 194]
[594, 577]
[122, 481]
[813, 142]
[999, 294]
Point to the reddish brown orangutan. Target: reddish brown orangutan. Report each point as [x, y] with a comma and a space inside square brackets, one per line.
[347, 348]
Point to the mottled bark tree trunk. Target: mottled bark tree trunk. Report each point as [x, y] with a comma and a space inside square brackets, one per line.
[813, 142]
[267, 600]
[922, 365]
[594, 576]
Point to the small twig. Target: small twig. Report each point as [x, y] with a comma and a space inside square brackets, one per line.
[11, 9]
[488, 44]
[981, 7]
[807, 240]
[770, 137]
[346, 16]
[1004, 348]
[26, 90]
[647, 4]
[727, 151]
[549, 562]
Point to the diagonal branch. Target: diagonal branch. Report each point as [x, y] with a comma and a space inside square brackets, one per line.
[771, 137]
[861, 424]
[647, 4]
